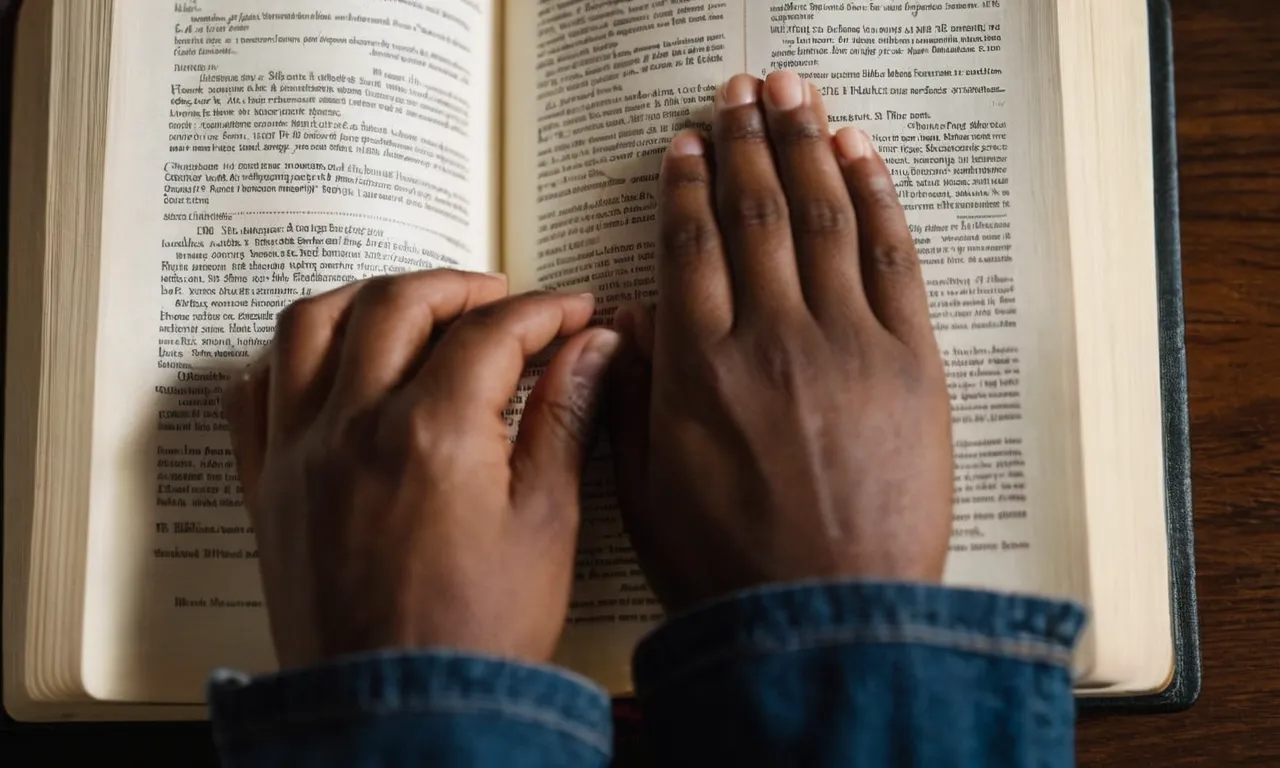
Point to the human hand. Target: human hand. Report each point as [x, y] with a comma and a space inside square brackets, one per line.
[785, 415]
[390, 507]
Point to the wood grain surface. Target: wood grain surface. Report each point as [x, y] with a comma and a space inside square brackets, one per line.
[1228, 81]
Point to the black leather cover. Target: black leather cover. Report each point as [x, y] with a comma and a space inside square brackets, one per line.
[1184, 689]
[189, 743]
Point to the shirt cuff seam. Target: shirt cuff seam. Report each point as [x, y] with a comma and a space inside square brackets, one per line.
[363, 689]
[530, 715]
[1013, 648]
[806, 616]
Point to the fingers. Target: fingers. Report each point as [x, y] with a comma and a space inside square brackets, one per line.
[305, 356]
[628, 412]
[558, 423]
[823, 223]
[480, 359]
[693, 274]
[635, 321]
[752, 205]
[391, 323]
[244, 403]
[891, 273]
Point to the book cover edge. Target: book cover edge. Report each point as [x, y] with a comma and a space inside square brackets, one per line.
[1184, 688]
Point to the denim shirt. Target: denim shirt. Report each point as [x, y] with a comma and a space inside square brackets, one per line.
[822, 674]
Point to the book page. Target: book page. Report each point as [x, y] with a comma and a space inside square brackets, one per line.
[965, 107]
[1107, 84]
[594, 92]
[258, 152]
[963, 104]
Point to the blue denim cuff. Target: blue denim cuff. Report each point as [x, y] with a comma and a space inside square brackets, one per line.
[810, 616]
[455, 691]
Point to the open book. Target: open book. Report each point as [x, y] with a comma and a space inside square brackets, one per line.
[183, 171]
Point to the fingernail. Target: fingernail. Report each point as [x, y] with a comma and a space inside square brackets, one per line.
[687, 144]
[853, 144]
[784, 91]
[597, 355]
[738, 92]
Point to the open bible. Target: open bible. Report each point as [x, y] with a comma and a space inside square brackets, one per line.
[183, 171]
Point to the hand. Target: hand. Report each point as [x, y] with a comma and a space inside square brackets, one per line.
[784, 416]
[390, 507]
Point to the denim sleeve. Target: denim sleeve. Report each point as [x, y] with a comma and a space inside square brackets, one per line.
[841, 674]
[814, 675]
[438, 709]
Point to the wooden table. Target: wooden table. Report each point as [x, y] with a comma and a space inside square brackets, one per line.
[1228, 82]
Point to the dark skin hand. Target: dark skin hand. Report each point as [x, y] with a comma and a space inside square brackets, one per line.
[798, 424]
[390, 507]
[781, 416]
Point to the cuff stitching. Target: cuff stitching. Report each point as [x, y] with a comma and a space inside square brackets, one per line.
[1023, 649]
[249, 731]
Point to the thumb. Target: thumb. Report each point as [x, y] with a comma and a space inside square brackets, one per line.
[560, 419]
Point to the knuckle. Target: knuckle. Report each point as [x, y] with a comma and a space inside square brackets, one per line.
[333, 448]
[539, 295]
[723, 372]
[387, 438]
[570, 418]
[296, 318]
[801, 130]
[471, 330]
[686, 172]
[892, 260]
[712, 372]
[688, 235]
[881, 193]
[756, 210]
[824, 216]
[421, 432]
[482, 325]
[384, 289]
[877, 356]
[910, 376]
[787, 356]
[775, 362]
[743, 126]
[480, 317]
[489, 317]
[907, 372]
